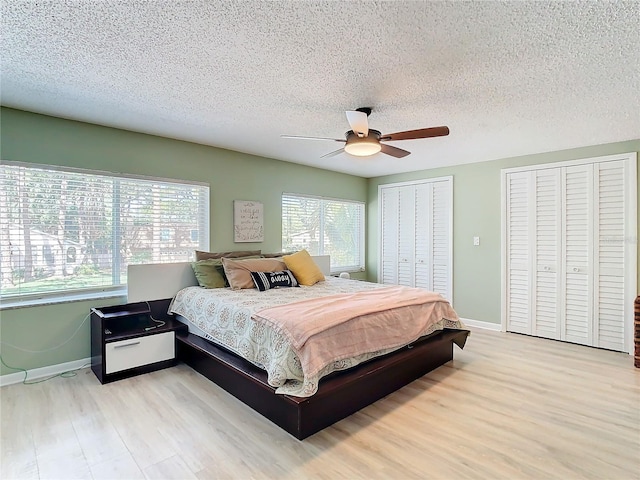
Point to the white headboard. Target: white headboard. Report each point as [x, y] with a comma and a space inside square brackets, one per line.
[156, 281]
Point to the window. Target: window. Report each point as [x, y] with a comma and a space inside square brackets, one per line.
[69, 232]
[325, 226]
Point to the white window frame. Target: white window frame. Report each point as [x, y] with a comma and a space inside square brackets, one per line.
[107, 291]
[334, 269]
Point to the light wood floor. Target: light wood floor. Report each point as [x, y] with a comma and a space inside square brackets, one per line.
[508, 406]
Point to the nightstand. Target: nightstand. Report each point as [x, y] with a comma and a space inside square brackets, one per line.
[128, 340]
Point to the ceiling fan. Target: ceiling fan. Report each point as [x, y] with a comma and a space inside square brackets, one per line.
[362, 141]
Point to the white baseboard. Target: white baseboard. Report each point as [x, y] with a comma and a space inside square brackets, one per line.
[496, 327]
[43, 372]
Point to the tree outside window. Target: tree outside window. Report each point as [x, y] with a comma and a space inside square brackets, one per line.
[67, 231]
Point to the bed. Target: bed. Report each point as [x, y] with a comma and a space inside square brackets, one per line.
[232, 340]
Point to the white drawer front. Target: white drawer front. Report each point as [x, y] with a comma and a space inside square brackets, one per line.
[139, 351]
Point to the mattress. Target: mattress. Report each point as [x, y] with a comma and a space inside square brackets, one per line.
[226, 317]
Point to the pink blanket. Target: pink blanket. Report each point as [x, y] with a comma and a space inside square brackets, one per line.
[329, 329]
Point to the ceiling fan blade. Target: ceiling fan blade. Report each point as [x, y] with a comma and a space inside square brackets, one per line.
[313, 138]
[393, 151]
[420, 133]
[358, 122]
[333, 154]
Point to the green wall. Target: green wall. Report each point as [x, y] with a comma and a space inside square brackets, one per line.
[29, 137]
[476, 212]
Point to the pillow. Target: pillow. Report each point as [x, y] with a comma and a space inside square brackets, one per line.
[241, 253]
[273, 255]
[209, 273]
[238, 271]
[304, 268]
[266, 280]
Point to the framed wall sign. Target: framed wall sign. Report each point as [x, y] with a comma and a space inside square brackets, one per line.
[248, 221]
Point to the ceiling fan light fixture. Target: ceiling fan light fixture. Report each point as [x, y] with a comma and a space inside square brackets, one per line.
[363, 146]
[363, 149]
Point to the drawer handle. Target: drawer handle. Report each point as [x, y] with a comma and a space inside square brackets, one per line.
[127, 345]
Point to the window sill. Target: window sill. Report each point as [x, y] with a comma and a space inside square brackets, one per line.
[37, 301]
[336, 273]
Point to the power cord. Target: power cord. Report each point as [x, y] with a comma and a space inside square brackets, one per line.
[160, 323]
[67, 374]
[52, 348]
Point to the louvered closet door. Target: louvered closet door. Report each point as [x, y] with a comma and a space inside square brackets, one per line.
[610, 245]
[420, 234]
[406, 236]
[389, 199]
[547, 254]
[433, 237]
[423, 236]
[441, 239]
[518, 191]
[578, 254]
[570, 269]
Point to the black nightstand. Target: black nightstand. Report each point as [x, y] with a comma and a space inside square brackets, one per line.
[128, 340]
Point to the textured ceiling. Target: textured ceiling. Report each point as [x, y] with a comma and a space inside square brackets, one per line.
[508, 78]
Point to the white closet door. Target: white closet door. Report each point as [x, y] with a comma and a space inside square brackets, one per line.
[547, 253]
[416, 229]
[570, 266]
[441, 239]
[423, 236]
[610, 252]
[578, 254]
[389, 218]
[406, 236]
[518, 190]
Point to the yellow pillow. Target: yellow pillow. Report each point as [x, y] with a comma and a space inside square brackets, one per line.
[303, 268]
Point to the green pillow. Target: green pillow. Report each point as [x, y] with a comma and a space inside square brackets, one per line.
[210, 273]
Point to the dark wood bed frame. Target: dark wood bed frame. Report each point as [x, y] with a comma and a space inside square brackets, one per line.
[339, 394]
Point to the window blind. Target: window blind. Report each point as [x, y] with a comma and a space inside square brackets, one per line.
[325, 226]
[68, 231]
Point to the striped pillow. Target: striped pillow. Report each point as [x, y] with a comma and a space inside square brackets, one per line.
[266, 280]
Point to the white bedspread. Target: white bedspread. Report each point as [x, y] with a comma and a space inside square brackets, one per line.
[224, 316]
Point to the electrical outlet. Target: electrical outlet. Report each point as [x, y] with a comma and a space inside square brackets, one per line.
[476, 241]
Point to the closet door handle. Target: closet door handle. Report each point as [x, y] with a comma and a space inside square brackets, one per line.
[576, 269]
